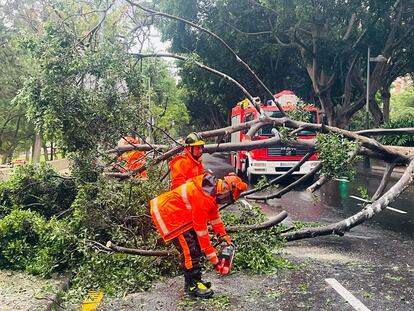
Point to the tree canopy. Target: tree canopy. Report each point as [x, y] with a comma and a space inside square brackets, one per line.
[317, 48]
[85, 90]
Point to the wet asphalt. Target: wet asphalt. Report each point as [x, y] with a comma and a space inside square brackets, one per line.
[374, 261]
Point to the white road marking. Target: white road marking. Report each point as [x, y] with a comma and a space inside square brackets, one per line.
[360, 199]
[388, 207]
[351, 299]
[396, 210]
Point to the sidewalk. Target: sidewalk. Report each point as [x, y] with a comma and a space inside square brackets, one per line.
[21, 291]
[61, 165]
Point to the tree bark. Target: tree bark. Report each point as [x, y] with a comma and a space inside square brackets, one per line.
[36, 149]
[386, 96]
[139, 252]
[45, 152]
[384, 181]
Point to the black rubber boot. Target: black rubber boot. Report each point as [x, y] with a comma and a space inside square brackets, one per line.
[206, 283]
[198, 289]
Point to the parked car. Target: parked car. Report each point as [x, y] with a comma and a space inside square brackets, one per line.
[18, 162]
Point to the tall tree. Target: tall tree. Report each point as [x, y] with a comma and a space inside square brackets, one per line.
[318, 48]
[15, 131]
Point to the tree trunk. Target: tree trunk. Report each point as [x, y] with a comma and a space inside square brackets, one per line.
[51, 151]
[36, 149]
[27, 155]
[4, 159]
[45, 152]
[386, 96]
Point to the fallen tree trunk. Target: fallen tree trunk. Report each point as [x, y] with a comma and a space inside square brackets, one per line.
[366, 213]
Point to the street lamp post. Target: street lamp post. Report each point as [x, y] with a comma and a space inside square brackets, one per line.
[378, 59]
[367, 163]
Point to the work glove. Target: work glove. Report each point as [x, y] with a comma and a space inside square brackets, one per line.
[211, 254]
[225, 239]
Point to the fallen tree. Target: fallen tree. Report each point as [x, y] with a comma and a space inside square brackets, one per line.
[364, 145]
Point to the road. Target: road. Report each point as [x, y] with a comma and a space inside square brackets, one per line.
[338, 197]
[370, 268]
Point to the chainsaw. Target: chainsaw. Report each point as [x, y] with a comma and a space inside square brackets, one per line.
[225, 259]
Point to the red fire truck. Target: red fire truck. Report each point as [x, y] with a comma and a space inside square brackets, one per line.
[274, 160]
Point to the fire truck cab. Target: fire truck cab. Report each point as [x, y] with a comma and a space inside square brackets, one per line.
[274, 160]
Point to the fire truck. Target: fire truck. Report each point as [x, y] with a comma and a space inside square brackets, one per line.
[277, 159]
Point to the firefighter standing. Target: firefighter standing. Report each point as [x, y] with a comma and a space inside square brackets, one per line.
[182, 215]
[189, 164]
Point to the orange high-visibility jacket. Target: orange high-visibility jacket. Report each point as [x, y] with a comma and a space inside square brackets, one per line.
[192, 202]
[131, 160]
[183, 168]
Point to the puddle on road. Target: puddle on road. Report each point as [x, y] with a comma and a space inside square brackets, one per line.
[319, 253]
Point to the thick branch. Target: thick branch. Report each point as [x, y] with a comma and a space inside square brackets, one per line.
[139, 147]
[384, 181]
[379, 150]
[380, 132]
[368, 212]
[259, 33]
[139, 252]
[231, 229]
[264, 225]
[350, 25]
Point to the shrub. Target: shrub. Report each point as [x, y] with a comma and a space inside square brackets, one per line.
[20, 235]
[29, 242]
[37, 188]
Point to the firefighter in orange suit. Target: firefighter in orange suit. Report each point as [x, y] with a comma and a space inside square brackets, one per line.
[182, 216]
[134, 159]
[188, 164]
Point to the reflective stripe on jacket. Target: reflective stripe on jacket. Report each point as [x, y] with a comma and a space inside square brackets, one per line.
[193, 203]
[183, 168]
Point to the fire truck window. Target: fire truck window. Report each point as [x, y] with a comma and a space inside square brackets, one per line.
[312, 119]
[248, 117]
[266, 130]
[274, 114]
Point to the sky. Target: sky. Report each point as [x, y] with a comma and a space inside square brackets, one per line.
[157, 46]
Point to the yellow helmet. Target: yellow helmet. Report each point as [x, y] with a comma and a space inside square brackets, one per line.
[194, 139]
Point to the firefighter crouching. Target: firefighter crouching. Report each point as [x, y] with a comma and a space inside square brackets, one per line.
[131, 160]
[188, 164]
[182, 216]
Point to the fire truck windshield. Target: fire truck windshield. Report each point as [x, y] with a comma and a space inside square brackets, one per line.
[266, 130]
